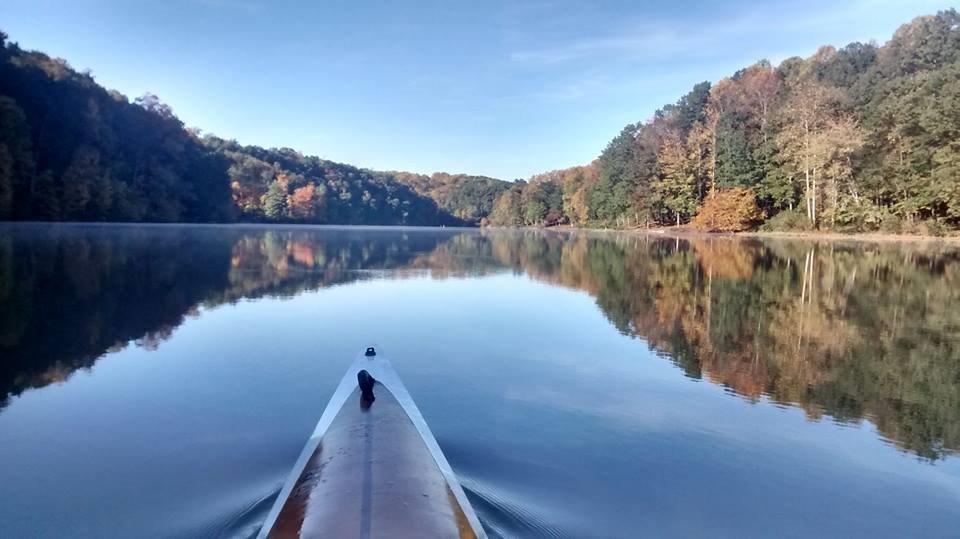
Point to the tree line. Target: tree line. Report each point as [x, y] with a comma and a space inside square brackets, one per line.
[860, 138]
[71, 150]
[283, 185]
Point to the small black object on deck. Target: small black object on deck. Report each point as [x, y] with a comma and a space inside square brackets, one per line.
[366, 381]
[370, 352]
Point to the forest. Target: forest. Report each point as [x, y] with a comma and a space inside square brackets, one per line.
[71, 150]
[861, 138]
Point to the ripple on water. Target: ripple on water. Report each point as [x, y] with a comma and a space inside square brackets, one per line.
[506, 514]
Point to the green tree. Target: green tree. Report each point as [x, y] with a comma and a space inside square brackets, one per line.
[627, 167]
[735, 165]
[275, 201]
[690, 109]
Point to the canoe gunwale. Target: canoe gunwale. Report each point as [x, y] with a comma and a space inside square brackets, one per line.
[380, 368]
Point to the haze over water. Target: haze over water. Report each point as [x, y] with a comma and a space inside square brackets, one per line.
[160, 381]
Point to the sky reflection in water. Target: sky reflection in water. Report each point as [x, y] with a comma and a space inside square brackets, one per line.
[581, 385]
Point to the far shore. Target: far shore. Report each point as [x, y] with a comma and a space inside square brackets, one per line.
[688, 232]
[683, 231]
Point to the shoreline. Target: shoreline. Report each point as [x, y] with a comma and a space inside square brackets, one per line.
[877, 237]
[684, 232]
[669, 232]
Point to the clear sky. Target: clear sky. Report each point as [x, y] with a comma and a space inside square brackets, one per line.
[500, 88]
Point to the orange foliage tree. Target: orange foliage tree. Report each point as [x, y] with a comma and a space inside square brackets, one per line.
[729, 210]
[301, 202]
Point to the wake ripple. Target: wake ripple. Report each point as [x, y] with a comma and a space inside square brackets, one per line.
[247, 520]
[504, 515]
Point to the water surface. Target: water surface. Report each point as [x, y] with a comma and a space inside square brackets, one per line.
[160, 381]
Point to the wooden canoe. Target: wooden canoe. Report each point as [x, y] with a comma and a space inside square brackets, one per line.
[372, 469]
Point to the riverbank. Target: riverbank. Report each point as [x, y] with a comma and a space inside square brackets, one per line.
[688, 232]
[871, 236]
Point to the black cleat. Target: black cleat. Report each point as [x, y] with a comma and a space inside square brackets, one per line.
[366, 383]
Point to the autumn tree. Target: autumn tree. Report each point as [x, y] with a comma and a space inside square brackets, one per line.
[836, 147]
[700, 153]
[759, 85]
[804, 124]
[674, 188]
[575, 185]
[507, 208]
[729, 210]
[301, 202]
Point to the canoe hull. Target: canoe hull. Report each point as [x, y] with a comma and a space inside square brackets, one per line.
[372, 469]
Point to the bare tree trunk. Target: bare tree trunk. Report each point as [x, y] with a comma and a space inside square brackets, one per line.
[807, 286]
[813, 197]
[713, 162]
[709, 297]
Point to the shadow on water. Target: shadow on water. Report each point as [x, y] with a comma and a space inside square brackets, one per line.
[847, 331]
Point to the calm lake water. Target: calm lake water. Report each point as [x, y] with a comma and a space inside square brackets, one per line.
[160, 381]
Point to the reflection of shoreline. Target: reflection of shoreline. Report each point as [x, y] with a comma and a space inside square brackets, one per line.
[69, 294]
[800, 322]
[685, 233]
[850, 331]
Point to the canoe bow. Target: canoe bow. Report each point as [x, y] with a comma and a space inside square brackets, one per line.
[372, 468]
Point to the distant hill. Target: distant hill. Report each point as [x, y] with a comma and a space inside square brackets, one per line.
[73, 150]
[287, 186]
[470, 198]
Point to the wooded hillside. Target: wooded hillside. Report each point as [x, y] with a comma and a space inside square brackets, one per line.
[861, 138]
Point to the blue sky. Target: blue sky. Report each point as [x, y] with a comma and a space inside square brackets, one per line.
[505, 89]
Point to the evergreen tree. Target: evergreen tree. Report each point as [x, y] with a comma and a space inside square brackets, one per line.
[275, 201]
[735, 165]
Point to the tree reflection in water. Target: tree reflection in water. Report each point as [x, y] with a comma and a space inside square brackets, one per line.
[848, 330]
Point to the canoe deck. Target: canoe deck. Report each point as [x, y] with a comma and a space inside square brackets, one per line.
[372, 474]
